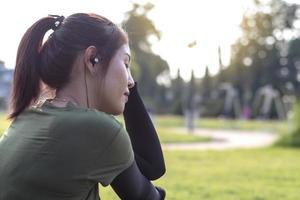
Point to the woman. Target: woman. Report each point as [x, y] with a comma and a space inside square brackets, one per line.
[62, 147]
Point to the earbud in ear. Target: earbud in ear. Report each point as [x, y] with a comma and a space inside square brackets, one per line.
[94, 60]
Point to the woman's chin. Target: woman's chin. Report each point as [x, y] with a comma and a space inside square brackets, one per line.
[113, 110]
[118, 111]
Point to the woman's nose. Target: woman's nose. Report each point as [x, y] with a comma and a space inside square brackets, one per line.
[130, 81]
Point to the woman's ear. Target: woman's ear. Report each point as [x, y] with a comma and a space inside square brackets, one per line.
[91, 60]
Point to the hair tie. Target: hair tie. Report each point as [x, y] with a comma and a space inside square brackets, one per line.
[58, 21]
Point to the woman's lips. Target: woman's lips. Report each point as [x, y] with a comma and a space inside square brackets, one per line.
[127, 93]
[126, 97]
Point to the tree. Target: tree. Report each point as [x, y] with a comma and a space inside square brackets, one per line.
[259, 56]
[206, 84]
[221, 77]
[293, 68]
[177, 87]
[147, 65]
[190, 101]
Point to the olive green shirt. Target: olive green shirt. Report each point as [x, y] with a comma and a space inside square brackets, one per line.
[52, 153]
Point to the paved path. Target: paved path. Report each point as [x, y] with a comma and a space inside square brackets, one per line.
[226, 139]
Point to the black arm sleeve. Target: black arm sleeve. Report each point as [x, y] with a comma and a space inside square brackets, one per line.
[144, 139]
[132, 185]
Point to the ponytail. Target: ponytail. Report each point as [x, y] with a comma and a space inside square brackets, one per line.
[26, 81]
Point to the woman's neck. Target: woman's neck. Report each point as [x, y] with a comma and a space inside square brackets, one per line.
[71, 93]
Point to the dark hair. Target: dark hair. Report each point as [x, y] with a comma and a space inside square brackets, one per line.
[51, 61]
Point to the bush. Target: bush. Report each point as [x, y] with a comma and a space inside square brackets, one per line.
[292, 139]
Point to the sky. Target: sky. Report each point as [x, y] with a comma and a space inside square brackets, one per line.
[210, 24]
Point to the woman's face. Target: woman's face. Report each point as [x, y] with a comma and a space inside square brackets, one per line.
[115, 86]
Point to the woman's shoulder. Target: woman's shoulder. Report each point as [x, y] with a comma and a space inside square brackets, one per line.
[89, 120]
[72, 114]
[82, 128]
[73, 120]
[95, 118]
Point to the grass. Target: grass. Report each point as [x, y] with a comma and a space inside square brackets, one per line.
[171, 135]
[166, 127]
[261, 174]
[221, 123]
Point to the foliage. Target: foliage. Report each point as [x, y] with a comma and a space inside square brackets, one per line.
[292, 138]
[262, 48]
[267, 52]
[147, 66]
[190, 101]
[177, 86]
[206, 84]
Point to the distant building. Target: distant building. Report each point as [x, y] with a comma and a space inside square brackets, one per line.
[6, 77]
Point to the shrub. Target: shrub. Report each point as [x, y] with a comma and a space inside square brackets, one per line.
[292, 138]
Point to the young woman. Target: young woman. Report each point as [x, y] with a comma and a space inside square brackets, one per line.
[62, 147]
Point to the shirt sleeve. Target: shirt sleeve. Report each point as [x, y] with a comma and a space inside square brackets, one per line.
[117, 156]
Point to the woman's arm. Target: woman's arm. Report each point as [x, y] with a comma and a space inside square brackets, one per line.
[144, 139]
[132, 185]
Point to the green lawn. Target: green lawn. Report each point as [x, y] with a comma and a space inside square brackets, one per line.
[262, 174]
[171, 135]
[167, 124]
[220, 123]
